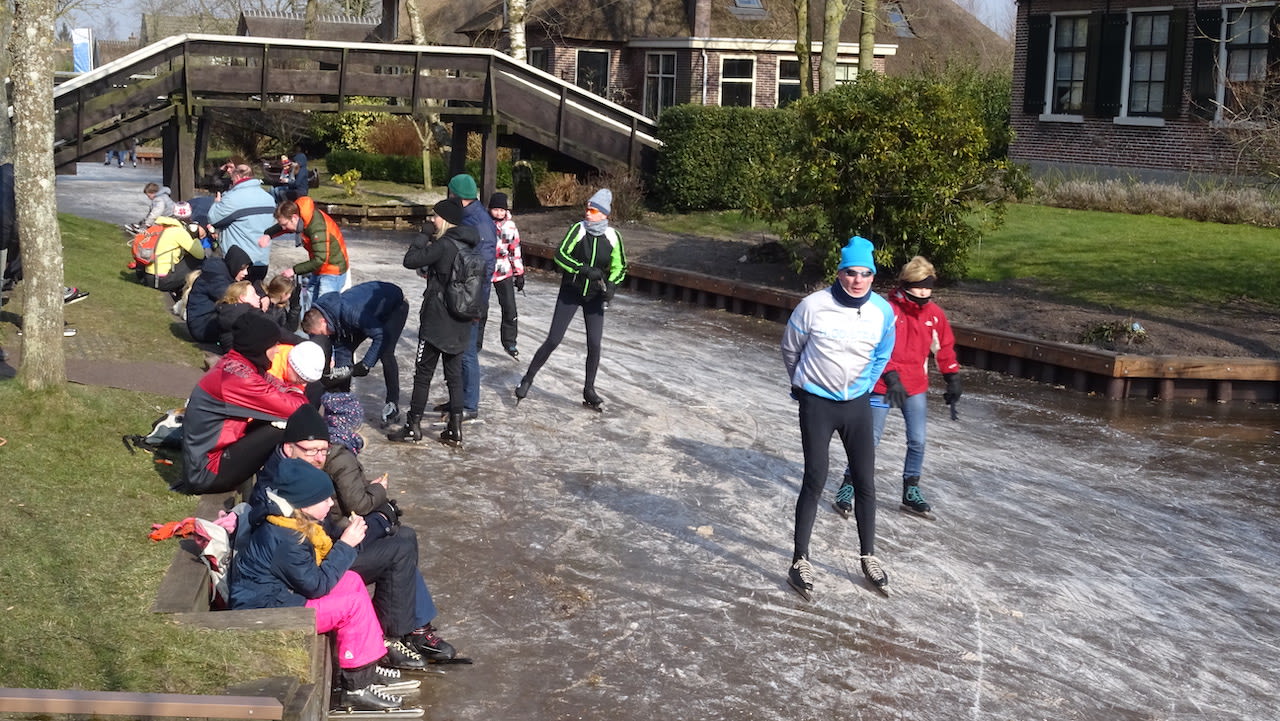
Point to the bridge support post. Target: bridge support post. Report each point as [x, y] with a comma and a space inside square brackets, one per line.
[179, 152]
[489, 163]
[458, 153]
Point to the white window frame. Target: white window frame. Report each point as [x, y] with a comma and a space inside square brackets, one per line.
[1126, 104]
[661, 79]
[1051, 68]
[846, 73]
[789, 82]
[740, 81]
[1224, 43]
[529, 54]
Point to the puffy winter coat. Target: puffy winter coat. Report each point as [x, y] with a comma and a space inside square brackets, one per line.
[359, 313]
[277, 568]
[433, 259]
[242, 216]
[202, 302]
[921, 330]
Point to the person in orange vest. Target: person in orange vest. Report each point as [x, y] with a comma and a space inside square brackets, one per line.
[326, 266]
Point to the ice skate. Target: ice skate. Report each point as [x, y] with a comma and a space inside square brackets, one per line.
[591, 400]
[427, 642]
[452, 434]
[876, 574]
[800, 577]
[913, 500]
[392, 681]
[401, 656]
[410, 432]
[844, 499]
[522, 390]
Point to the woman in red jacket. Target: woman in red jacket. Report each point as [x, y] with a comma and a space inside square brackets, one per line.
[922, 329]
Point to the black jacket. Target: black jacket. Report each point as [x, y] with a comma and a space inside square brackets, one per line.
[433, 259]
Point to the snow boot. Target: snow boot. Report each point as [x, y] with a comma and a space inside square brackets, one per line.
[452, 434]
[591, 400]
[800, 577]
[410, 432]
[875, 573]
[913, 500]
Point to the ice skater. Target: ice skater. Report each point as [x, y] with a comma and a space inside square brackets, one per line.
[593, 263]
[836, 344]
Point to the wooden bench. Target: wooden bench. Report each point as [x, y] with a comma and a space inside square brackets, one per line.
[149, 156]
[119, 703]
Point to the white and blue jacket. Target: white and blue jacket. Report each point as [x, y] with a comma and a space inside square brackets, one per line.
[834, 350]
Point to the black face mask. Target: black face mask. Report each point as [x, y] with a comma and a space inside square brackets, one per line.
[916, 299]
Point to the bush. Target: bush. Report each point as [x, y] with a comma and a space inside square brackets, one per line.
[1217, 204]
[717, 158]
[393, 136]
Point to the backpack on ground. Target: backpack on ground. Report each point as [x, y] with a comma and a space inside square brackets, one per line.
[166, 433]
[143, 245]
[463, 292]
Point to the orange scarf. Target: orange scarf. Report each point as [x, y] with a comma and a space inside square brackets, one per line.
[313, 532]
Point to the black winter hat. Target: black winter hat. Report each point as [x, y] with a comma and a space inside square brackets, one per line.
[252, 335]
[236, 260]
[306, 424]
[450, 210]
[499, 200]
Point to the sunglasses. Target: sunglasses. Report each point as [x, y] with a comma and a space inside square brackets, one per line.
[857, 273]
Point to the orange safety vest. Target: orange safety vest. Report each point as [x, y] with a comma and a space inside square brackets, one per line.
[331, 264]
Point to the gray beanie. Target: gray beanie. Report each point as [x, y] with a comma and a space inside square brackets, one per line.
[602, 201]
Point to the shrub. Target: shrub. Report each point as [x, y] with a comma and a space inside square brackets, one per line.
[348, 180]
[393, 136]
[1202, 202]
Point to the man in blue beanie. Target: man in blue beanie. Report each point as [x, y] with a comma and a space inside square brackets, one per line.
[474, 214]
[835, 346]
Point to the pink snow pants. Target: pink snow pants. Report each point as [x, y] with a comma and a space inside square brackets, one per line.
[348, 610]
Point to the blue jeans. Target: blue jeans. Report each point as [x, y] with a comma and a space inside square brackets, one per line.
[913, 414]
[471, 372]
[315, 285]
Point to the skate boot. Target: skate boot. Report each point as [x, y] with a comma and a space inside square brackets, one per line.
[390, 414]
[411, 432]
[401, 656]
[876, 574]
[369, 698]
[452, 434]
[522, 390]
[844, 498]
[913, 500]
[391, 681]
[591, 400]
[427, 642]
[800, 577]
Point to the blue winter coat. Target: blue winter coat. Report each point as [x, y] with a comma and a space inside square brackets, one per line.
[276, 568]
[358, 314]
[242, 216]
[202, 302]
[477, 216]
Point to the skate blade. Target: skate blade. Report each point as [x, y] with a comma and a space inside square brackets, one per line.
[598, 407]
[805, 593]
[388, 714]
[464, 660]
[843, 513]
[918, 514]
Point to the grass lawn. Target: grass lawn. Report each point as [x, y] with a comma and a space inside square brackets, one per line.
[77, 573]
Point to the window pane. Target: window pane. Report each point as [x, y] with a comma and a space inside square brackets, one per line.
[788, 94]
[736, 95]
[742, 68]
[789, 70]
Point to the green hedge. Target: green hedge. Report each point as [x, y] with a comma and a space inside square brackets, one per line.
[406, 169]
[717, 158]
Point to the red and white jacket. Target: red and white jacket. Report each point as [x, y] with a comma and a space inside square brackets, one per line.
[921, 330]
[509, 260]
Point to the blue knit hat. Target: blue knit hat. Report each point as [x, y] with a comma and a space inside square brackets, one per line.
[858, 254]
[602, 201]
[301, 484]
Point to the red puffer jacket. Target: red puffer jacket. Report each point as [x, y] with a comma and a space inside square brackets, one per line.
[921, 330]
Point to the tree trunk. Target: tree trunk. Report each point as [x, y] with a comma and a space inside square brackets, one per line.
[867, 38]
[832, 20]
[310, 14]
[421, 122]
[43, 361]
[804, 47]
[6, 129]
[516, 10]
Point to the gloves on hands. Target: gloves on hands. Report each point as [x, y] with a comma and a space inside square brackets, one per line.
[592, 273]
[894, 394]
[360, 370]
[519, 281]
[953, 388]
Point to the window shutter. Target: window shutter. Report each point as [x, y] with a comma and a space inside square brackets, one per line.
[1092, 63]
[1204, 62]
[1177, 60]
[1037, 63]
[1108, 70]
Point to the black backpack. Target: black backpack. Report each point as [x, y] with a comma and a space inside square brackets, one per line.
[463, 292]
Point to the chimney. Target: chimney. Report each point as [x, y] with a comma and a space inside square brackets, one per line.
[701, 17]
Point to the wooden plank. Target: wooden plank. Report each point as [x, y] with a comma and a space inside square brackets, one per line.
[119, 703]
[298, 618]
[1198, 367]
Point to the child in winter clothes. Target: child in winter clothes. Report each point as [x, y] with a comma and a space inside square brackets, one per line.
[161, 203]
[508, 273]
[290, 561]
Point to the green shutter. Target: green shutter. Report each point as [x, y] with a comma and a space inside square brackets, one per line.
[1204, 62]
[1173, 68]
[1037, 63]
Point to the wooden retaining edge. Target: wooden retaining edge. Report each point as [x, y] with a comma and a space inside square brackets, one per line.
[389, 217]
[1114, 375]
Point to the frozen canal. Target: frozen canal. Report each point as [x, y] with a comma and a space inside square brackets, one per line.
[1091, 560]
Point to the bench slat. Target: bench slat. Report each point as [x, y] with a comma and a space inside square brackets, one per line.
[118, 703]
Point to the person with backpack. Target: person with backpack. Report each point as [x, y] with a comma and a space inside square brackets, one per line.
[375, 311]
[593, 263]
[441, 332]
[166, 253]
[290, 561]
[508, 273]
[462, 187]
[327, 265]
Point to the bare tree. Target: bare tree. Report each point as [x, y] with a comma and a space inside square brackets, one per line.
[1250, 115]
[6, 129]
[832, 20]
[804, 47]
[516, 12]
[423, 123]
[43, 361]
[867, 37]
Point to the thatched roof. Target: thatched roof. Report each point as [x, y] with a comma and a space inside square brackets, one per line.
[157, 27]
[330, 28]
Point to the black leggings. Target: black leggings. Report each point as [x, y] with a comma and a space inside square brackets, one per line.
[424, 368]
[819, 418]
[245, 457]
[567, 305]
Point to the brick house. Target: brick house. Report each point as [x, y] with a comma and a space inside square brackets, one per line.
[651, 54]
[1118, 87]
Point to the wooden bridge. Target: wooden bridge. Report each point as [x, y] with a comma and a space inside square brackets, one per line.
[175, 88]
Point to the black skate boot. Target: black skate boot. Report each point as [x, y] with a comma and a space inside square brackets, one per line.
[800, 576]
[391, 681]
[369, 698]
[591, 400]
[522, 390]
[411, 432]
[401, 656]
[452, 434]
[913, 500]
[844, 498]
[876, 574]
[427, 642]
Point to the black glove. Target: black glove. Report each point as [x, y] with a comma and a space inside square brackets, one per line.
[609, 288]
[894, 393]
[795, 393]
[953, 388]
[592, 273]
[389, 515]
[360, 370]
[519, 282]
